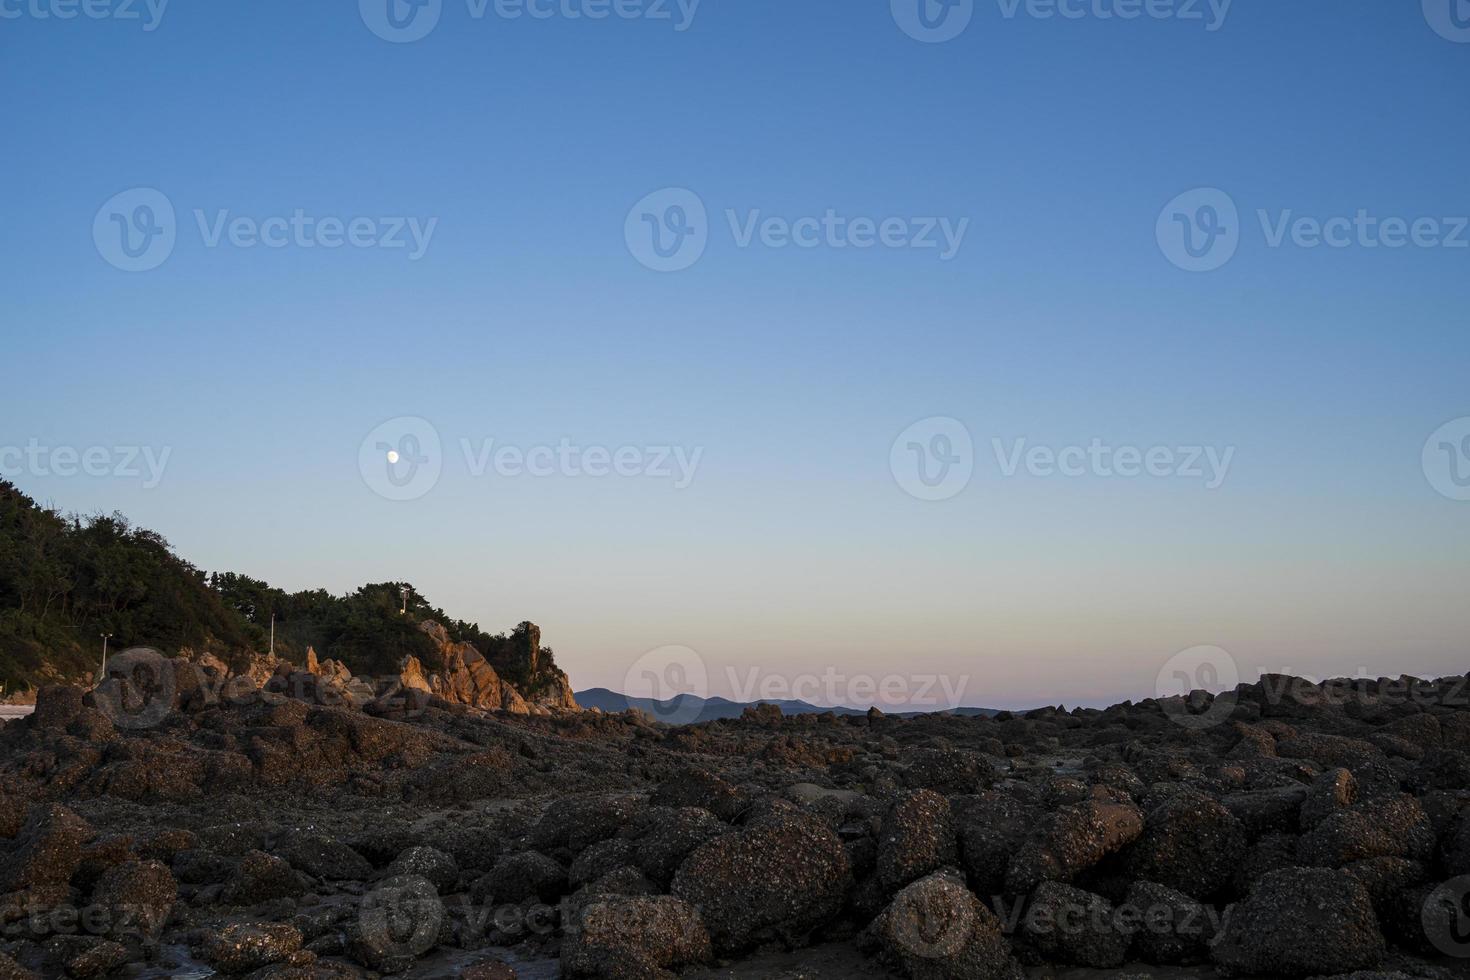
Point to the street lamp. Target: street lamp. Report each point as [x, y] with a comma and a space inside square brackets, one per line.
[102, 672]
[404, 610]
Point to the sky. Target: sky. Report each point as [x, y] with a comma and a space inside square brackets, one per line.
[1001, 352]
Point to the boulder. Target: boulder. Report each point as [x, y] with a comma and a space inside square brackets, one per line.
[1069, 925]
[1301, 922]
[247, 946]
[1388, 828]
[400, 920]
[518, 877]
[1190, 843]
[1071, 840]
[779, 878]
[261, 877]
[47, 850]
[935, 929]
[917, 838]
[635, 937]
[135, 899]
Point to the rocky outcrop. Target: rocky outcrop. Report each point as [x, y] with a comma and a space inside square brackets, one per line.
[468, 678]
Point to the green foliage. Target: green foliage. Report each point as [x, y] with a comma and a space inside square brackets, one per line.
[66, 580]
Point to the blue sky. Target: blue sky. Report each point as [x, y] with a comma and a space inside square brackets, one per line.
[795, 549]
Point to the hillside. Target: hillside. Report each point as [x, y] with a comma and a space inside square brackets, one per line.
[688, 709]
[67, 579]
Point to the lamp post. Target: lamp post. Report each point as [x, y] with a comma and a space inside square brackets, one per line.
[404, 610]
[273, 634]
[102, 671]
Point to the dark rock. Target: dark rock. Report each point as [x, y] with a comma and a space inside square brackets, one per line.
[917, 838]
[47, 851]
[935, 929]
[1190, 843]
[630, 938]
[664, 837]
[1301, 922]
[780, 877]
[517, 877]
[261, 877]
[322, 857]
[1069, 925]
[1392, 828]
[429, 862]
[949, 771]
[1072, 840]
[704, 789]
[85, 957]
[136, 898]
[992, 828]
[1168, 926]
[401, 919]
[243, 947]
[1331, 792]
[56, 707]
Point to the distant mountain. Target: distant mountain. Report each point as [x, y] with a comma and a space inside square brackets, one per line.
[689, 709]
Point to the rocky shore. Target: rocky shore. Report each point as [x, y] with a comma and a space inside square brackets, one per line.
[310, 825]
